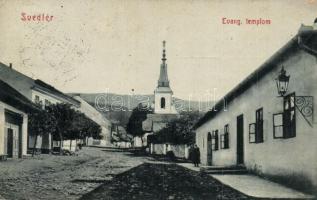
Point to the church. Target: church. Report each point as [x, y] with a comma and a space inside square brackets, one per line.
[164, 108]
[163, 94]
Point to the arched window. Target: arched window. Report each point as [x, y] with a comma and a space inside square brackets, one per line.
[162, 102]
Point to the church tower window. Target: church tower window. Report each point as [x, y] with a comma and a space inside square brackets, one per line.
[163, 94]
[162, 102]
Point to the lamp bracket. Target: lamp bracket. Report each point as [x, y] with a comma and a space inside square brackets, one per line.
[305, 105]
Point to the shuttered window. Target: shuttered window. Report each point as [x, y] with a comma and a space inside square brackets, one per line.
[278, 125]
[215, 140]
[289, 118]
[225, 137]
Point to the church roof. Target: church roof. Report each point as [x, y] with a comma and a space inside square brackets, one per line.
[156, 122]
[163, 89]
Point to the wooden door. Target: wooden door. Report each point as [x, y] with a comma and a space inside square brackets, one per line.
[15, 141]
[240, 144]
[10, 142]
[209, 149]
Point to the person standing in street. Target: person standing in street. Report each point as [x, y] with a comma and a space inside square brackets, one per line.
[196, 156]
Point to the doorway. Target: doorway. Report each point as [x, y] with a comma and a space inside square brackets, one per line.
[240, 144]
[10, 142]
[13, 134]
[209, 149]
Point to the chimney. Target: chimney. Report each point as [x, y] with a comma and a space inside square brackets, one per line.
[10, 65]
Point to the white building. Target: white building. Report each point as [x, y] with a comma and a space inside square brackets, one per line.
[120, 137]
[38, 92]
[164, 108]
[163, 94]
[97, 117]
[269, 134]
[13, 122]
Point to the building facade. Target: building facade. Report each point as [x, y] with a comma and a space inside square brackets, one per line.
[268, 133]
[97, 117]
[39, 93]
[13, 122]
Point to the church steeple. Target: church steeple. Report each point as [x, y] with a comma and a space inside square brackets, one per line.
[163, 94]
[164, 52]
[163, 79]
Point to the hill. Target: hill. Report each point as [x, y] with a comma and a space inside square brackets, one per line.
[118, 107]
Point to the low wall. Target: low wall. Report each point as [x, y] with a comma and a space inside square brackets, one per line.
[157, 149]
[70, 145]
[180, 151]
[123, 144]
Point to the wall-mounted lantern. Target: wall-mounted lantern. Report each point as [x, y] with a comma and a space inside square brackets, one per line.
[282, 82]
[304, 104]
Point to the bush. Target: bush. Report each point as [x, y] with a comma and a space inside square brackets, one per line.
[170, 155]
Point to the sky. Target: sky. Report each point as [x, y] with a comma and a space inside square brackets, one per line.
[115, 46]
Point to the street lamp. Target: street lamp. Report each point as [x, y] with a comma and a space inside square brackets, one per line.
[282, 82]
[304, 104]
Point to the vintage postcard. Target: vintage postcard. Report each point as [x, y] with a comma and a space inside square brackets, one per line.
[148, 99]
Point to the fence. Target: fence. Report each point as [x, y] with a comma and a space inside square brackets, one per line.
[67, 144]
[180, 150]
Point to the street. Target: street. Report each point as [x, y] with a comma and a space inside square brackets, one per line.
[98, 173]
[162, 181]
[61, 177]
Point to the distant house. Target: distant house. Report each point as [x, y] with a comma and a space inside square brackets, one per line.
[38, 92]
[263, 126]
[13, 122]
[120, 137]
[97, 117]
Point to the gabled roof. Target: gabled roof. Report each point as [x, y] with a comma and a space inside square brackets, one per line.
[13, 98]
[305, 40]
[48, 88]
[23, 83]
[92, 113]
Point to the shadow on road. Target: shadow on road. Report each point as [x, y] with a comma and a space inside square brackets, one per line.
[162, 181]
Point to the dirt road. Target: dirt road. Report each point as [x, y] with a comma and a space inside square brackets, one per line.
[62, 177]
[105, 174]
[160, 182]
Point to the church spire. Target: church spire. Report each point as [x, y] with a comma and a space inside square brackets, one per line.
[164, 54]
[163, 79]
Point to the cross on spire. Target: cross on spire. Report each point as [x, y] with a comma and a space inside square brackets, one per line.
[163, 79]
[164, 54]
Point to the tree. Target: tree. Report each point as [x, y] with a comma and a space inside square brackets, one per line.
[178, 131]
[84, 127]
[63, 122]
[134, 126]
[41, 123]
[72, 124]
[64, 115]
[93, 129]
